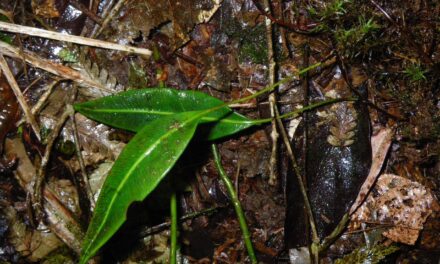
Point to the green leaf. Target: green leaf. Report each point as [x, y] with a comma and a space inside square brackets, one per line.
[131, 110]
[142, 164]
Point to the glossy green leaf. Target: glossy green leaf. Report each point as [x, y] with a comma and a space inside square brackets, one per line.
[140, 167]
[131, 110]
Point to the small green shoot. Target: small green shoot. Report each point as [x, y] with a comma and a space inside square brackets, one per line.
[332, 10]
[367, 26]
[415, 73]
[356, 34]
[357, 38]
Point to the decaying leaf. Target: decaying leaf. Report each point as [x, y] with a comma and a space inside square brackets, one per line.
[59, 219]
[177, 18]
[45, 8]
[35, 244]
[399, 202]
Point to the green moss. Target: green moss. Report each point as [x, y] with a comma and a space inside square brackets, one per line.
[366, 255]
[330, 10]
[68, 56]
[252, 40]
[253, 45]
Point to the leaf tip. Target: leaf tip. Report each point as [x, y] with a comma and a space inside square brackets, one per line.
[77, 107]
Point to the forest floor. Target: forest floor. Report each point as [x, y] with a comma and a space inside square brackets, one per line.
[385, 54]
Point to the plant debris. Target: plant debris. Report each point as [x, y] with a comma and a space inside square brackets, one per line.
[384, 56]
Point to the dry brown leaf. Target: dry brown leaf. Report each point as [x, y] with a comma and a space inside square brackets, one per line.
[399, 202]
[380, 143]
[45, 8]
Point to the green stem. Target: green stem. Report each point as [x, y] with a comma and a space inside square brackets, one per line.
[255, 95]
[334, 234]
[237, 206]
[302, 110]
[295, 113]
[173, 250]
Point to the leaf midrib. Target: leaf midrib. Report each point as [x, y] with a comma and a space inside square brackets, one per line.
[163, 113]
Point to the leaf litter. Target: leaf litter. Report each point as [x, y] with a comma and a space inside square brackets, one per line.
[225, 58]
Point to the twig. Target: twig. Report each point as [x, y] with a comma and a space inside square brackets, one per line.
[281, 23]
[43, 98]
[356, 92]
[60, 219]
[14, 28]
[237, 206]
[315, 238]
[20, 98]
[305, 87]
[406, 34]
[62, 222]
[39, 180]
[157, 228]
[104, 13]
[327, 241]
[41, 101]
[284, 43]
[273, 162]
[85, 180]
[86, 11]
[108, 17]
[50, 66]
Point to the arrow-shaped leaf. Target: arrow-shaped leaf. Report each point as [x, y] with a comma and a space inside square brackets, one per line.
[131, 110]
[142, 164]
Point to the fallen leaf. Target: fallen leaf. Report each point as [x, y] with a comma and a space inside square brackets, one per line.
[399, 202]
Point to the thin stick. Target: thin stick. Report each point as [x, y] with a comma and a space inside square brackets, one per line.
[237, 206]
[85, 179]
[41, 101]
[302, 187]
[157, 228]
[14, 28]
[281, 23]
[273, 162]
[60, 220]
[43, 98]
[108, 17]
[20, 98]
[39, 180]
[327, 241]
[105, 12]
[50, 66]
